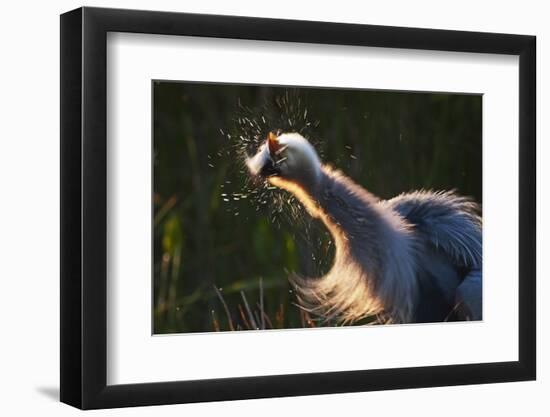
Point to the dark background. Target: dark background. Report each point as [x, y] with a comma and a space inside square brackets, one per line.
[212, 227]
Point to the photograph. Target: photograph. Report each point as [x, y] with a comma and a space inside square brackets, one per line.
[285, 207]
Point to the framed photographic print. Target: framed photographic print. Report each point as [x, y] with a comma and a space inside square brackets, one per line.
[257, 208]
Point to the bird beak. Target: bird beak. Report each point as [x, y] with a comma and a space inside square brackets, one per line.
[269, 167]
[273, 143]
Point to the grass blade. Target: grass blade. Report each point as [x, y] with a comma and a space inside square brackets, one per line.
[220, 296]
[250, 315]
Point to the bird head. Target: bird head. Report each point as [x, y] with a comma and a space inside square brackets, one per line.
[286, 157]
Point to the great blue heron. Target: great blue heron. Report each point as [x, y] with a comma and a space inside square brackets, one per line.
[414, 258]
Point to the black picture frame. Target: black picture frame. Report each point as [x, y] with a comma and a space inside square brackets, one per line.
[84, 207]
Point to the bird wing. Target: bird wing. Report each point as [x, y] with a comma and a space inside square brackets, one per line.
[450, 227]
[445, 220]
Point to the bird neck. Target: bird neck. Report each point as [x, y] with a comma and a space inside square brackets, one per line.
[345, 208]
[373, 268]
[351, 214]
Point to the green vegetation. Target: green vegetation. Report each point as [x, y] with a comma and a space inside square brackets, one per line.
[216, 242]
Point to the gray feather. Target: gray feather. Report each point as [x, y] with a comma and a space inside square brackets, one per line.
[450, 222]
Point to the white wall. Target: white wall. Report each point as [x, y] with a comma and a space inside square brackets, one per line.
[29, 238]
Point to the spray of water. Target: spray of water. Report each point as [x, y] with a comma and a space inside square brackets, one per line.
[286, 112]
[283, 113]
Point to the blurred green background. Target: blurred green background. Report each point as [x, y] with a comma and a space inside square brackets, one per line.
[222, 252]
